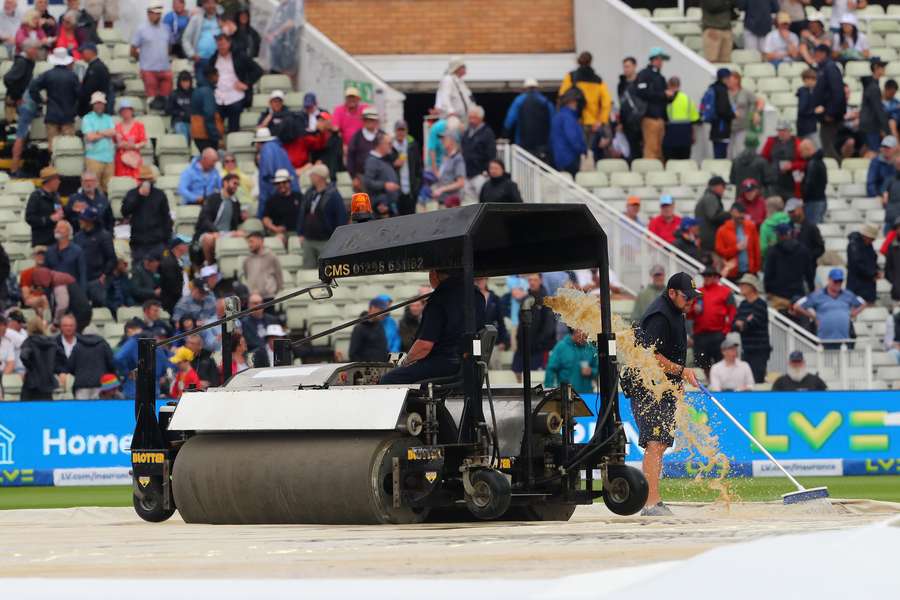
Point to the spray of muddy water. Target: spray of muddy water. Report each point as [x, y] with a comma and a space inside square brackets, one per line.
[692, 430]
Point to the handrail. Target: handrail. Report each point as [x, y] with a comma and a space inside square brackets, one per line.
[785, 335]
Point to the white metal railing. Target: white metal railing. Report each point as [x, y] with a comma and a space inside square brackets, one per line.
[633, 249]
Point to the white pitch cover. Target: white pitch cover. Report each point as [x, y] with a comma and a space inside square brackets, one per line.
[341, 408]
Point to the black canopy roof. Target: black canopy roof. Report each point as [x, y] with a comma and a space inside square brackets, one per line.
[502, 239]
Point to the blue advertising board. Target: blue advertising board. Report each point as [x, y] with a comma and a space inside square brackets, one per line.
[825, 433]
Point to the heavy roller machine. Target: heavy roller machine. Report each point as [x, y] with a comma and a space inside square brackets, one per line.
[325, 443]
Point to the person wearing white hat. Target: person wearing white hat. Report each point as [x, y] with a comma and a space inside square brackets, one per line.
[264, 356]
[150, 45]
[348, 117]
[61, 87]
[862, 262]
[453, 96]
[272, 158]
[849, 42]
[361, 144]
[283, 207]
[275, 114]
[881, 168]
[731, 374]
[99, 134]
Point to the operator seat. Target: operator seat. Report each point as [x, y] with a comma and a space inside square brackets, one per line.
[488, 338]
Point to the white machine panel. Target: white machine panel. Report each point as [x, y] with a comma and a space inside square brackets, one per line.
[359, 408]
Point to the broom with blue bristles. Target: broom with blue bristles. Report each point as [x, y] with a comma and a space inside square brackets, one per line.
[802, 494]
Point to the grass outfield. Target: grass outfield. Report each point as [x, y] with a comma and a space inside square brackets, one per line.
[882, 487]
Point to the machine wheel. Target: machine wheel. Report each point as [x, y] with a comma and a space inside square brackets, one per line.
[491, 494]
[627, 490]
[150, 507]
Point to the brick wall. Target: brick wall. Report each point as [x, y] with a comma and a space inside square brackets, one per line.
[445, 26]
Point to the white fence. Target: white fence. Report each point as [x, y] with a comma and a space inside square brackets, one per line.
[633, 249]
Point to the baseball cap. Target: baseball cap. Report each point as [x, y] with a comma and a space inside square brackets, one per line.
[199, 284]
[209, 271]
[784, 228]
[277, 95]
[156, 7]
[730, 342]
[384, 298]
[749, 184]
[687, 223]
[281, 175]
[876, 61]
[793, 204]
[666, 200]
[309, 99]
[740, 207]
[275, 330]
[632, 200]
[378, 302]
[370, 113]
[153, 255]
[889, 141]
[684, 283]
[401, 124]
[723, 73]
[657, 270]
[178, 240]
[88, 214]
[716, 180]
[836, 275]
[89, 46]
[657, 52]
[134, 323]
[795, 356]
[823, 48]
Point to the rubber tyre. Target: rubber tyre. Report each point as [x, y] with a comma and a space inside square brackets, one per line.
[150, 507]
[627, 491]
[492, 494]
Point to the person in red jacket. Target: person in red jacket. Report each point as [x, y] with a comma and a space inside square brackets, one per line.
[737, 241]
[187, 377]
[712, 315]
[666, 223]
[782, 151]
[300, 148]
[752, 199]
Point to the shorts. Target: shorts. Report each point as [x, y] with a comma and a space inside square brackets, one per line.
[25, 114]
[655, 419]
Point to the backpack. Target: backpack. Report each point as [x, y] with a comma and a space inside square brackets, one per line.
[708, 105]
[633, 107]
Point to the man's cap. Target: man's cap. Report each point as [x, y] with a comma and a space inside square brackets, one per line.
[134, 323]
[730, 341]
[159, 331]
[89, 46]
[793, 204]
[784, 228]
[723, 73]
[156, 7]
[352, 91]
[199, 284]
[98, 97]
[684, 283]
[657, 52]
[309, 99]
[263, 134]
[632, 200]
[869, 230]
[739, 207]
[109, 382]
[657, 270]
[183, 354]
[782, 17]
[60, 57]
[281, 175]
[370, 113]
[823, 48]
[178, 240]
[687, 223]
[889, 141]
[455, 63]
[49, 173]
[710, 271]
[89, 213]
[784, 124]
[795, 356]
[276, 95]
[321, 170]
[384, 298]
[125, 103]
[749, 184]
[222, 35]
[716, 180]
[752, 280]
[666, 200]
[153, 255]
[209, 271]
[876, 61]
[378, 302]
[147, 173]
[275, 330]
[39, 249]
[836, 274]
[531, 82]
[401, 124]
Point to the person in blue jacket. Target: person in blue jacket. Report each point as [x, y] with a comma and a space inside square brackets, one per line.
[389, 323]
[126, 359]
[881, 168]
[566, 136]
[272, 157]
[201, 178]
[530, 116]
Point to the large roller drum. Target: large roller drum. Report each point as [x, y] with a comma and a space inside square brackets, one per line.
[293, 477]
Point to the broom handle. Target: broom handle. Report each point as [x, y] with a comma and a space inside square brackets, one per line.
[749, 435]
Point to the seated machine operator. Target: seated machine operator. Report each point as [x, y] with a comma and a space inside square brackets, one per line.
[436, 350]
